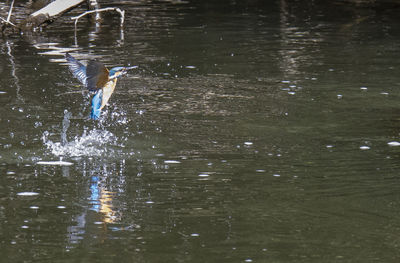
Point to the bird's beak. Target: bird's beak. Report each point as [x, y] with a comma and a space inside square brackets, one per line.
[125, 70]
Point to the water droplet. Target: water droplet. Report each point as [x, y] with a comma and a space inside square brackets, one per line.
[363, 88]
[394, 143]
[204, 175]
[248, 143]
[339, 96]
[61, 207]
[194, 235]
[260, 171]
[276, 175]
[364, 147]
[34, 207]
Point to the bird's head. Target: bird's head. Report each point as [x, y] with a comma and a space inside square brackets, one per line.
[117, 72]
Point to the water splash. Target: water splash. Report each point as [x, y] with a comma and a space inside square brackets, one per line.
[91, 143]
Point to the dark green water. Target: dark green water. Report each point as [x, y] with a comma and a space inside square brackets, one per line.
[250, 132]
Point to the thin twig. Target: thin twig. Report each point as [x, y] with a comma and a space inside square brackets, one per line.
[121, 12]
[7, 22]
[9, 12]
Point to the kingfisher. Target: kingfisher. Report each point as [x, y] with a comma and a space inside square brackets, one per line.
[98, 79]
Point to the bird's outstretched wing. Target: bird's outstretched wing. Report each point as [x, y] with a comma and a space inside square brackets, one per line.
[77, 69]
[96, 75]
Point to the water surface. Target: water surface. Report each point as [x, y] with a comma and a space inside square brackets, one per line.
[250, 132]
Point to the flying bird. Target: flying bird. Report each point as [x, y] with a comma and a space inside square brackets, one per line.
[98, 79]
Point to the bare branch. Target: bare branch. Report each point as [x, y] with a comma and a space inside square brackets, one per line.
[121, 12]
[9, 12]
[7, 22]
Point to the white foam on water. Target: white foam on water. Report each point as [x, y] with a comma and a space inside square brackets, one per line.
[61, 163]
[171, 161]
[27, 193]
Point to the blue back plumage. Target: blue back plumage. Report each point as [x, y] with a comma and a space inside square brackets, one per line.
[96, 103]
[77, 68]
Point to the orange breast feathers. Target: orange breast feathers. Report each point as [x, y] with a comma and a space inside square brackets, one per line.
[108, 89]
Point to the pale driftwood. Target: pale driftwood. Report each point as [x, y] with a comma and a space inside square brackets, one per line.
[57, 7]
[48, 12]
[121, 12]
